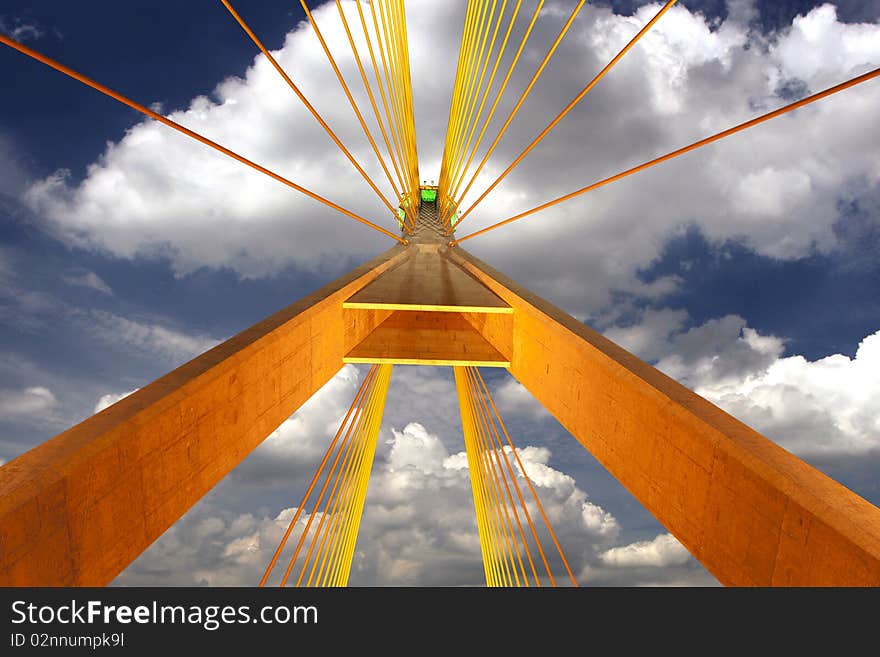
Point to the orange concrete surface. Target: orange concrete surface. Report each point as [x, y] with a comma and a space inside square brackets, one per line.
[79, 508]
[426, 338]
[427, 280]
[752, 513]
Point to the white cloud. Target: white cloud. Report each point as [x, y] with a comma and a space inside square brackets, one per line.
[664, 550]
[823, 406]
[819, 46]
[90, 280]
[111, 398]
[810, 407]
[19, 29]
[650, 333]
[415, 448]
[27, 404]
[295, 448]
[171, 345]
[778, 187]
[513, 399]
[418, 526]
[720, 350]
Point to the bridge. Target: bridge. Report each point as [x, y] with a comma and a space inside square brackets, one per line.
[79, 508]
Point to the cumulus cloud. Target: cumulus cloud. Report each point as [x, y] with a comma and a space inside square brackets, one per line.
[777, 188]
[720, 350]
[664, 550]
[110, 398]
[418, 526]
[513, 399]
[295, 448]
[824, 406]
[648, 337]
[27, 404]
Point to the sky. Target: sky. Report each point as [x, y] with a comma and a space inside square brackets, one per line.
[748, 271]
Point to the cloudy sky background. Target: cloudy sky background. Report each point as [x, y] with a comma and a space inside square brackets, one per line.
[749, 270]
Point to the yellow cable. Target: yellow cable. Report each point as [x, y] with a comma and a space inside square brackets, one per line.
[396, 155]
[346, 465]
[483, 57]
[532, 489]
[369, 90]
[455, 101]
[351, 409]
[452, 194]
[485, 537]
[378, 77]
[340, 493]
[348, 95]
[491, 433]
[485, 93]
[474, 66]
[574, 101]
[406, 93]
[357, 510]
[524, 95]
[495, 523]
[395, 93]
[369, 377]
[497, 438]
[512, 548]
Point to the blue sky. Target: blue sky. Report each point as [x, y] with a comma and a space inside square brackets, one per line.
[736, 270]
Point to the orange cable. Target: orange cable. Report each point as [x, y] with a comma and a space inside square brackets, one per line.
[312, 483]
[518, 490]
[475, 374]
[171, 124]
[532, 489]
[524, 95]
[344, 445]
[345, 88]
[500, 503]
[681, 151]
[574, 101]
[305, 102]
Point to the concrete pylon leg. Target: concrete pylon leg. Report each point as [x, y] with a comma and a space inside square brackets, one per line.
[76, 510]
[751, 512]
[79, 508]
